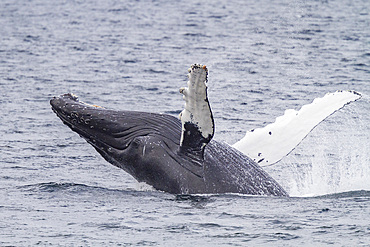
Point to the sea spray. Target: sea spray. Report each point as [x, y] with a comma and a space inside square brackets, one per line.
[334, 157]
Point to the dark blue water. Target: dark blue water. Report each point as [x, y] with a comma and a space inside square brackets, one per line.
[263, 57]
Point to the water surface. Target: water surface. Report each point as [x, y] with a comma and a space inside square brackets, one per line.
[263, 57]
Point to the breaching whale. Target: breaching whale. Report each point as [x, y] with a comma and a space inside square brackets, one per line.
[175, 155]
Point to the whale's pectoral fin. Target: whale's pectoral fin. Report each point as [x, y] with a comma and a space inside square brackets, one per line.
[270, 144]
[196, 118]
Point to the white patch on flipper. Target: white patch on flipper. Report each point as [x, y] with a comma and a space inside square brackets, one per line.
[270, 144]
[197, 109]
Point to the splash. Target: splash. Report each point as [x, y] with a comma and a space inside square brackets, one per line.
[270, 144]
[334, 158]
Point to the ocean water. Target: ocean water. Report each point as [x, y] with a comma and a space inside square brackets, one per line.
[263, 57]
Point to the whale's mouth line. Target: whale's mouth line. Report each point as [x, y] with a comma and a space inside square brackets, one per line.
[101, 146]
[90, 138]
[81, 126]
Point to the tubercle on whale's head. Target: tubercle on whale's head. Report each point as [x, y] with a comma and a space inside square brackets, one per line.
[76, 97]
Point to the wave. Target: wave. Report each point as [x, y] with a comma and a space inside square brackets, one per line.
[196, 200]
[76, 188]
[348, 194]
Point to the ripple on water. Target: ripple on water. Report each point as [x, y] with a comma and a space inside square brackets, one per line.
[55, 189]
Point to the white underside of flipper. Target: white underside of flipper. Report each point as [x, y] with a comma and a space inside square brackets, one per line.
[197, 110]
[270, 144]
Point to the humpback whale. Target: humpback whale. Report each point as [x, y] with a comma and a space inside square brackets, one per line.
[175, 155]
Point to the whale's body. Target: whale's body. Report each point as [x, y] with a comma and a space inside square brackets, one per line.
[179, 155]
[146, 145]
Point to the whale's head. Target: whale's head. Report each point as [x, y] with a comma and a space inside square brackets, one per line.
[137, 142]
